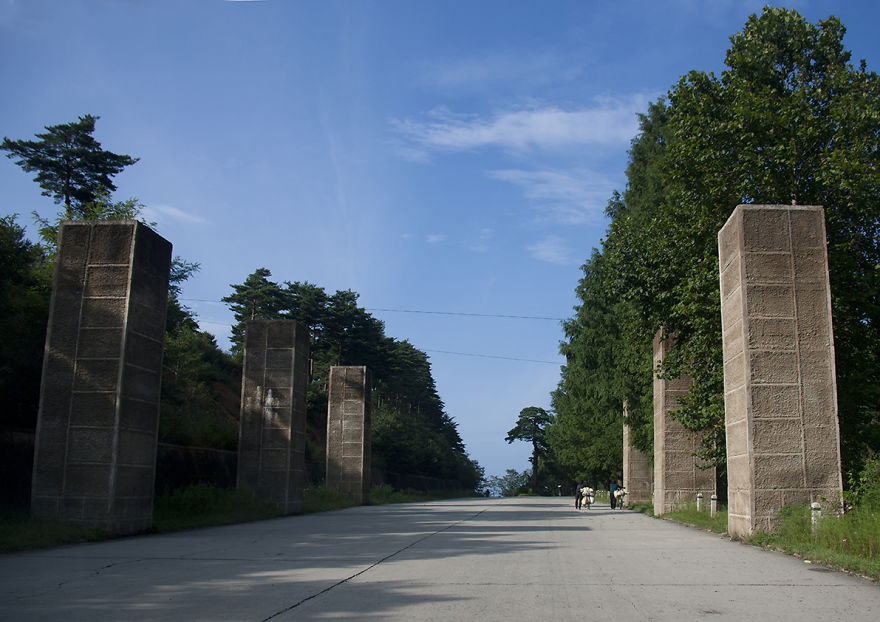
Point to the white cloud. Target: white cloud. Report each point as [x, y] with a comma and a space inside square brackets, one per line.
[161, 212]
[436, 238]
[610, 120]
[571, 197]
[552, 249]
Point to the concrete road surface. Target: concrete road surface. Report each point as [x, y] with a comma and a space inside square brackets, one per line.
[472, 559]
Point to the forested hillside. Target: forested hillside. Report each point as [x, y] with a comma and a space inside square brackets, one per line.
[790, 121]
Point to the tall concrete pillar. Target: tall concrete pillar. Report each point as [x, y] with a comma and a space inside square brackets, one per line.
[638, 476]
[95, 454]
[348, 432]
[678, 476]
[780, 395]
[272, 428]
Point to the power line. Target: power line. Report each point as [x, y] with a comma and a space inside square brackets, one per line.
[494, 356]
[459, 313]
[515, 317]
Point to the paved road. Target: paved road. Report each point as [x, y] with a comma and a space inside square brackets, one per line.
[473, 559]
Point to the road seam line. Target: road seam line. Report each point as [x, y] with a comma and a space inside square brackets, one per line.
[371, 566]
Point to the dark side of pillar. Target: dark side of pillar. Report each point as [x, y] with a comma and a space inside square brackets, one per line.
[348, 432]
[95, 453]
[272, 427]
[780, 395]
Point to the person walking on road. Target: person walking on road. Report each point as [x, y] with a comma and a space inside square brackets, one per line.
[578, 496]
[611, 490]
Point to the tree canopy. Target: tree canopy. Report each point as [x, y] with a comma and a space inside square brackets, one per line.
[790, 120]
[411, 432]
[531, 427]
[71, 166]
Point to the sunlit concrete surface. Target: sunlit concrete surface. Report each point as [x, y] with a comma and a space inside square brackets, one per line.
[485, 559]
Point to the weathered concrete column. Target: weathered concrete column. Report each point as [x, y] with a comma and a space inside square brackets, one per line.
[348, 432]
[677, 473]
[780, 395]
[95, 454]
[272, 429]
[638, 476]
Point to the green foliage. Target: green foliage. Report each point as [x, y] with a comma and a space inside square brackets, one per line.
[19, 533]
[201, 387]
[511, 484]
[607, 364]
[25, 288]
[848, 540]
[71, 166]
[789, 120]
[411, 432]
[531, 427]
[701, 518]
[200, 505]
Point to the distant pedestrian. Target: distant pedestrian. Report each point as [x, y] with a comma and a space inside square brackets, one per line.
[578, 496]
[611, 490]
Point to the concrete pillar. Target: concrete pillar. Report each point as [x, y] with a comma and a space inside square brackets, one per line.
[677, 473]
[348, 432]
[638, 476]
[95, 453]
[272, 428]
[780, 395]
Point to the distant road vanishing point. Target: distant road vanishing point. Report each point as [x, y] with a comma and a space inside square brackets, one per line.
[468, 559]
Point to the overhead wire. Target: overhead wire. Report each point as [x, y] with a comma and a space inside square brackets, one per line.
[454, 313]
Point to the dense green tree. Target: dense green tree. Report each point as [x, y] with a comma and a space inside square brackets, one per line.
[790, 120]
[531, 426]
[510, 484]
[71, 166]
[411, 432]
[25, 287]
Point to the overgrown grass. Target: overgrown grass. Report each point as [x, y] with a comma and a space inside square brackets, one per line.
[849, 541]
[323, 499]
[206, 506]
[700, 518]
[19, 533]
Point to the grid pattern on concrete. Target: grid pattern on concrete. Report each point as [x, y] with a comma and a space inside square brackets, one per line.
[779, 379]
[272, 427]
[95, 454]
[678, 474]
[348, 432]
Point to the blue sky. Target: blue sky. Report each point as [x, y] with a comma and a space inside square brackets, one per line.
[445, 156]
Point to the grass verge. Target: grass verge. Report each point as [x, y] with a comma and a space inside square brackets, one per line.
[19, 533]
[700, 518]
[849, 541]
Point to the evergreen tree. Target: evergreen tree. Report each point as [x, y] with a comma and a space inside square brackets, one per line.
[71, 166]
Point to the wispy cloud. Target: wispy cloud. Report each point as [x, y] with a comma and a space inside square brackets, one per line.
[562, 197]
[162, 212]
[436, 238]
[481, 245]
[610, 120]
[553, 249]
[502, 68]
